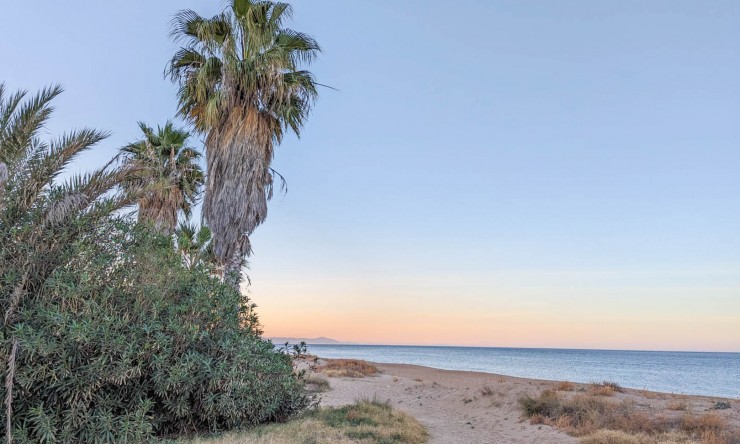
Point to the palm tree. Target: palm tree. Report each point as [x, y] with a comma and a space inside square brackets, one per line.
[170, 169]
[194, 245]
[242, 86]
[39, 217]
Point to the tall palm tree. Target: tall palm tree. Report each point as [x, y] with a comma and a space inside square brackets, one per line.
[170, 169]
[241, 84]
[40, 217]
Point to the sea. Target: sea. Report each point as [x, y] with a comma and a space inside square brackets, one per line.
[690, 373]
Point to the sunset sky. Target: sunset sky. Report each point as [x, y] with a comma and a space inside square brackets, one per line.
[503, 173]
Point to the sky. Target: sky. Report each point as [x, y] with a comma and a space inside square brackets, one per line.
[492, 173]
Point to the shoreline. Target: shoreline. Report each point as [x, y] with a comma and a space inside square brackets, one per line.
[554, 381]
[460, 406]
[687, 373]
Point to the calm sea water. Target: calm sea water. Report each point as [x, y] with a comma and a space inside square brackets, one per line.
[693, 373]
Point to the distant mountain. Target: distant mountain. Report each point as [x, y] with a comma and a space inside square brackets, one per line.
[278, 340]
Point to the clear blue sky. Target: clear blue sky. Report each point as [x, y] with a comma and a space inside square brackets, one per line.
[488, 172]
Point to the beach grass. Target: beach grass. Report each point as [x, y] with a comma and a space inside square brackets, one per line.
[316, 383]
[347, 368]
[365, 421]
[601, 421]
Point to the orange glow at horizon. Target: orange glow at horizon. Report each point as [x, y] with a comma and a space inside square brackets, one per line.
[548, 317]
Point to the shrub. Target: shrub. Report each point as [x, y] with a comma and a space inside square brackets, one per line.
[123, 343]
[721, 405]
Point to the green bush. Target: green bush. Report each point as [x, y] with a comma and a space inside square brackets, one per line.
[123, 343]
[105, 336]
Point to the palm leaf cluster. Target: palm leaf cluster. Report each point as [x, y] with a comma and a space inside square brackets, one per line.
[241, 84]
[194, 245]
[169, 169]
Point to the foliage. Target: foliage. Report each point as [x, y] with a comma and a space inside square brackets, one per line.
[106, 336]
[194, 245]
[721, 405]
[125, 342]
[170, 170]
[39, 217]
[241, 84]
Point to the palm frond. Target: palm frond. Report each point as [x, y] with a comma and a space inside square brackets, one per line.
[21, 121]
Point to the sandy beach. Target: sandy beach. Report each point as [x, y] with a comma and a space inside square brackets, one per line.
[472, 407]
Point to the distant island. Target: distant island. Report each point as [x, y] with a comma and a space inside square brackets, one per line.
[278, 340]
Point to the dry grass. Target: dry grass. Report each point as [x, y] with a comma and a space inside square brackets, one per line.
[606, 388]
[652, 395]
[317, 383]
[367, 422]
[590, 416]
[619, 437]
[347, 368]
[565, 386]
[699, 424]
[677, 405]
[486, 390]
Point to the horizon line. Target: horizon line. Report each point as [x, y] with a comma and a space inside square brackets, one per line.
[340, 343]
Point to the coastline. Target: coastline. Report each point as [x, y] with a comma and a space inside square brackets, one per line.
[690, 373]
[460, 406]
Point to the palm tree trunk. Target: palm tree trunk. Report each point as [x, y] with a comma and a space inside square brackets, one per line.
[162, 215]
[238, 186]
[233, 271]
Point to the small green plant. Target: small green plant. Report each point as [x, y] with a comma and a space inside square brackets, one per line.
[721, 405]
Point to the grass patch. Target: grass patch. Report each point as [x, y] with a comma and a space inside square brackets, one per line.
[348, 368]
[565, 386]
[677, 405]
[619, 437]
[602, 421]
[366, 421]
[606, 388]
[647, 394]
[317, 384]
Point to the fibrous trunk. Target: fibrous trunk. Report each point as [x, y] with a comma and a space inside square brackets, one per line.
[239, 183]
[158, 212]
